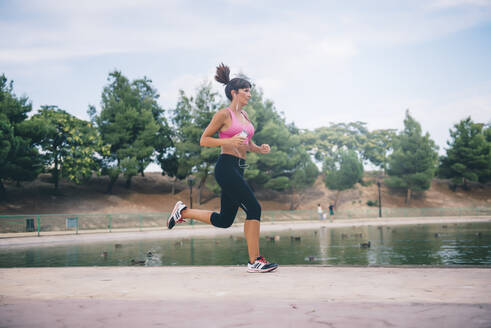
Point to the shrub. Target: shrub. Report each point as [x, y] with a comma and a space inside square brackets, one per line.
[367, 183]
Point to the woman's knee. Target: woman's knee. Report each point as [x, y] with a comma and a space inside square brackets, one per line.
[221, 221]
[226, 224]
[254, 212]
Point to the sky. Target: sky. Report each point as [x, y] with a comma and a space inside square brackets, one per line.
[318, 61]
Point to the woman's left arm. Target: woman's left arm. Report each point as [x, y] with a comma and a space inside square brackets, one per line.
[263, 149]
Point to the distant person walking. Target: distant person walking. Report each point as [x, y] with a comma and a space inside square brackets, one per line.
[319, 211]
[235, 132]
[331, 210]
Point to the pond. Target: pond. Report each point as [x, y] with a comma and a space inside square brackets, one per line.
[430, 244]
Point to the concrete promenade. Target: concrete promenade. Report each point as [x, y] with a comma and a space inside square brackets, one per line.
[228, 296]
[11, 240]
[294, 296]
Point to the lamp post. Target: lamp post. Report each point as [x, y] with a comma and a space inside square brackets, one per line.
[379, 201]
[190, 183]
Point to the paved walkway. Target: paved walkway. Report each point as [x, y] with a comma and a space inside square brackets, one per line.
[187, 231]
[293, 296]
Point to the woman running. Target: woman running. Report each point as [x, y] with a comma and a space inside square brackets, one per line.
[235, 132]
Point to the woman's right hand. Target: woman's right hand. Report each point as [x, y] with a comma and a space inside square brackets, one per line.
[236, 141]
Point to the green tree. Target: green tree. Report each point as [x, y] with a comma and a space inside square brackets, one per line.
[412, 165]
[71, 146]
[324, 143]
[487, 132]
[487, 135]
[190, 118]
[163, 146]
[19, 156]
[343, 172]
[468, 156]
[377, 147]
[185, 153]
[206, 104]
[304, 176]
[288, 166]
[127, 123]
[162, 140]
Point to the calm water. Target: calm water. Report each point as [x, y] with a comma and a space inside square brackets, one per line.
[435, 244]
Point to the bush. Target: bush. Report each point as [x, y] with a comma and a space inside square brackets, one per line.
[367, 183]
[372, 203]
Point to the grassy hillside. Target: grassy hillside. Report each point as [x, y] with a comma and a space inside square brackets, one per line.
[152, 193]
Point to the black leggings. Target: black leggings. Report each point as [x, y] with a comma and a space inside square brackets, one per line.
[229, 173]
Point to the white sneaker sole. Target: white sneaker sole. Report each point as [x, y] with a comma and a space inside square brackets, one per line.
[261, 270]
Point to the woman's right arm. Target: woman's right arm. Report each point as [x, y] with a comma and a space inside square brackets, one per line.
[216, 124]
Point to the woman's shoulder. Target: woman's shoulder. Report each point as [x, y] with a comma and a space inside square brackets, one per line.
[223, 110]
[223, 113]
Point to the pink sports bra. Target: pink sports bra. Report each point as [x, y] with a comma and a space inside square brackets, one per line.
[237, 127]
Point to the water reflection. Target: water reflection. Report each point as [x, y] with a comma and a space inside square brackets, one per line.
[436, 244]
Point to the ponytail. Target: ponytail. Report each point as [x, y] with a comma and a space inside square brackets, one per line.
[223, 76]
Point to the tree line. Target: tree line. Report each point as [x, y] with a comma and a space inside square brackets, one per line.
[130, 130]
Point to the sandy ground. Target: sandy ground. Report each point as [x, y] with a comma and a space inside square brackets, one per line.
[152, 193]
[228, 296]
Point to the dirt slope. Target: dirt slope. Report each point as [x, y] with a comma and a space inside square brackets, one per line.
[152, 193]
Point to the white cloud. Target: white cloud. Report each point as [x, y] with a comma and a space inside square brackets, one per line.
[271, 84]
[441, 4]
[301, 54]
[73, 29]
[341, 48]
[170, 91]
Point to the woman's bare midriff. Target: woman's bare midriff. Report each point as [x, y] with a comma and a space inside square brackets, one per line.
[234, 151]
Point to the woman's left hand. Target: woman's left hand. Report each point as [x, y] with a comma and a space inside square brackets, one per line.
[264, 149]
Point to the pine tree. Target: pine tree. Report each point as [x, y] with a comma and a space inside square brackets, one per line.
[413, 163]
[190, 118]
[127, 122]
[468, 156]
[19, 137]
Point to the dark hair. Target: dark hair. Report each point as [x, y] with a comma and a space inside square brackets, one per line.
[223, 76]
